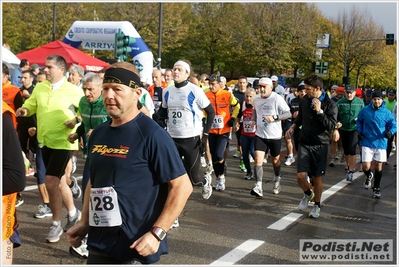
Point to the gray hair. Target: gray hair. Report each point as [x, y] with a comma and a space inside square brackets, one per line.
[250, 90]
[92, 77]
[78, 69]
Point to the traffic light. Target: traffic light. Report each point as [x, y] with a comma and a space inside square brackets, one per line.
[122, 45]
[389, 39]
[346, 80]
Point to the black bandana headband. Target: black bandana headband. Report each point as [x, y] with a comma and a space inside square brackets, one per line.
[122, 76]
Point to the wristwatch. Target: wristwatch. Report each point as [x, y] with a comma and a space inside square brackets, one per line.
[275, 117]
[158, 232]
[320, 111]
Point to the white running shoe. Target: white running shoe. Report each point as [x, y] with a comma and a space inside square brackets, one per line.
[74, 160]
[315, 213]
[303, 205]
[257, 190]
[276, 185]
[237, 154]
[175, 224]
[289, 161]
[207, 188]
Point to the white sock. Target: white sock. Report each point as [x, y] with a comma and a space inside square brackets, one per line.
[57, 223]
[72, 213]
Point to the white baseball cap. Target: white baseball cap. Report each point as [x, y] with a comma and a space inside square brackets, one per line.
[274, 78]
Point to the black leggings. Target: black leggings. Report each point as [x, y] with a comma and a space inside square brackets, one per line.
[189, 150]
[349, 142]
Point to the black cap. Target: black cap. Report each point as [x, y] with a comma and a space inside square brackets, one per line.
[255, 84]
[377, 94]
[349, 88]
[301, 87]
[214, 77]
[391, 92]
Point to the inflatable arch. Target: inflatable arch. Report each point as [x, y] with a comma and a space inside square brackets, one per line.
[100, 35]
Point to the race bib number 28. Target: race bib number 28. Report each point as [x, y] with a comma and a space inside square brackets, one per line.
[104, 208]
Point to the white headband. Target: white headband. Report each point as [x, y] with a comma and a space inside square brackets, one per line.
[183, 64]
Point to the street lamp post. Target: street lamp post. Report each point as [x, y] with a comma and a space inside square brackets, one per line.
[54, 18]
[160, 36]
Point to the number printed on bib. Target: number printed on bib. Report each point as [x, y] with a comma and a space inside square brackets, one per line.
[247, 127]
[177, 117]
[218, 122]
[104, 208]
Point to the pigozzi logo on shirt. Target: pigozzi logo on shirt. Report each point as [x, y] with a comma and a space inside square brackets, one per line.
[104, 150]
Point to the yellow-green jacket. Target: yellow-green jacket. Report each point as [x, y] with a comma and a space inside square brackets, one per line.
[52, 110]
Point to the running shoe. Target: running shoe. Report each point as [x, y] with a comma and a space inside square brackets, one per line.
[289, 161]
[332, 162]
[242, 166]
[376, 193]
[209, 169]
[30, 172]
[76, 190]
[74, 160]
[19, 201]
[257, 190]
[349, 177]
[367, 183]
[237, 154]
[54, 234]
[248, 176]
[276, 185]
[315, 213]
[44, 211]
[303, 205]
[251, 159]
[175, 224]
[73, 220]
[207, 188]
[80, 252]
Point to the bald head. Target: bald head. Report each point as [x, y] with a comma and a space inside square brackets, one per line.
[157, 78]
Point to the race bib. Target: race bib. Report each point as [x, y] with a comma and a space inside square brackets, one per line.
[247, 127]
[104, 208]
[177, 117]
[218, 122]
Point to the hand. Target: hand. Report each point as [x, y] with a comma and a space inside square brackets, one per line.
[146, 245]
[231, 122]
[21, 112]
[76, 233]
[72, 137]
[316, 104]
[89, 133]
[336, 135]
[32, 131]
[204, 142]
[71, 123]
[388, 134]
[288, 133]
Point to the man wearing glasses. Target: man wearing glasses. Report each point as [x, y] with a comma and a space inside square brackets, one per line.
[348, 109]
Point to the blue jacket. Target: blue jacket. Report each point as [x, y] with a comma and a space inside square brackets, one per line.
[373, 123]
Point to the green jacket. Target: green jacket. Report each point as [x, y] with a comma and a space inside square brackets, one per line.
[52, 110]
[348, 111]
[93, 114]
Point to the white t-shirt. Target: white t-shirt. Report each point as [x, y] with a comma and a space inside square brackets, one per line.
[146, 100]
[280, 90]
[185, 110]
[273, 105]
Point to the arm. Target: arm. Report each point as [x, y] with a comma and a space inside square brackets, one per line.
[14, 178]
[179, 191]
[76, 233]
[210, 115]
[236, 106]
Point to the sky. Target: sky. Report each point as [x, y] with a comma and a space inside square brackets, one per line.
[383, 13]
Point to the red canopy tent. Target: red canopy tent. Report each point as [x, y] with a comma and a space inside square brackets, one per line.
[72, 56]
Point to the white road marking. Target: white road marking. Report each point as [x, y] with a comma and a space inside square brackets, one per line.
[33, 187]
[285, 221]
[238, 253]
[292, 217]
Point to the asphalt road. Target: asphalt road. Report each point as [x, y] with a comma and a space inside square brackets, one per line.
[233, 227]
